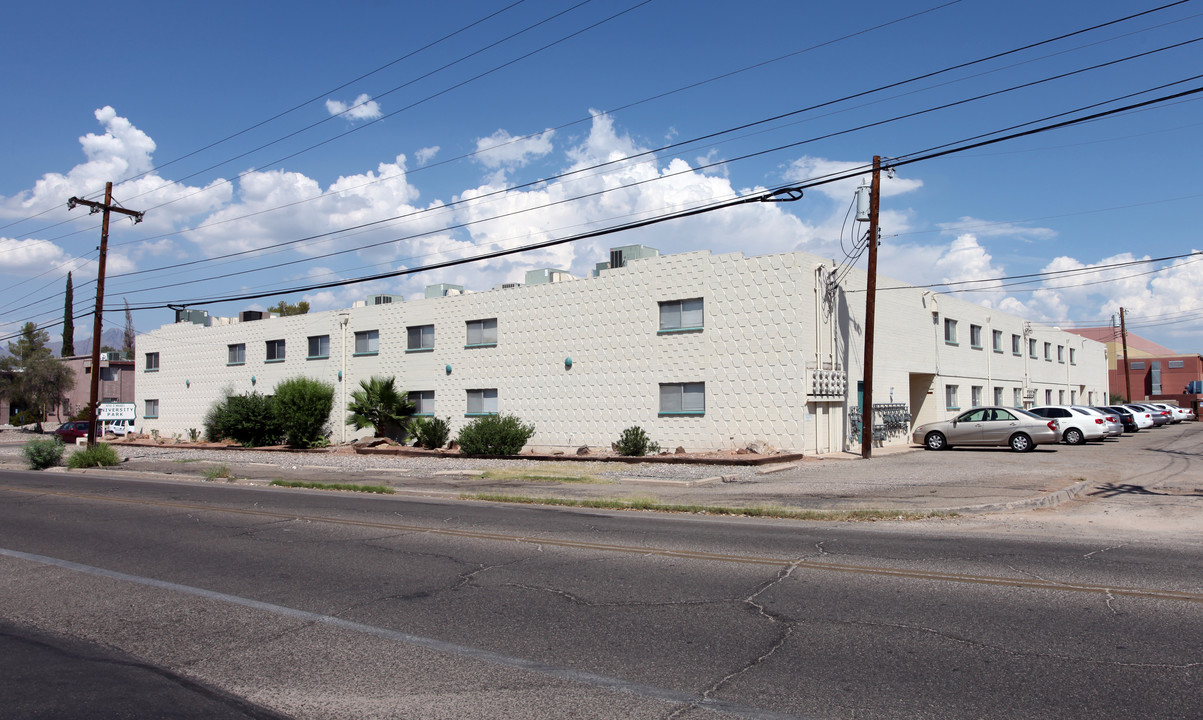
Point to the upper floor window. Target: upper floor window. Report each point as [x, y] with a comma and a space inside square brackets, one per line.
[1137, 366]
[275, 351]
[678, 315]
[998, 343]
[237, 354]
[975, 336]
[950, 331]
[1048, 352]
[152, 362]
[319, 347]
[1072, 359]
[683, 398]
[367, 342]
[1176, 364]
[420, 337]
[1060, 353]
[482, 332]
[1016, 348]
[1032, 348]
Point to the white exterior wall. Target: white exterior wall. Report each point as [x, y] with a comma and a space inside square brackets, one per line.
[765, 329]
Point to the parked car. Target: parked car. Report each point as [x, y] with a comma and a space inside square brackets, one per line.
[120, 427]
[1175, 418]
[1077, 426]
[1127, 418]
[992, 426]
[69, 431]
[1160, 417]
[1184, 413]
[1143, 417]
[1114, 427]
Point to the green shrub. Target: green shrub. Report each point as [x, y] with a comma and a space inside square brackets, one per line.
[432, 433]
[494, 435]
[248, 419]
[42, 453]
[302, 407]
[378, 404]
[634, 442]
[96, 456]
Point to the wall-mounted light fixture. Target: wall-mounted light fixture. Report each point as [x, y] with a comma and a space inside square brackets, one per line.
[567, 363]
[448, 369]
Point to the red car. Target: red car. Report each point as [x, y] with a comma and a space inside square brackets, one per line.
[68, 431]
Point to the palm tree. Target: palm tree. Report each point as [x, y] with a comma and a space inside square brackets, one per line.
[379, 405]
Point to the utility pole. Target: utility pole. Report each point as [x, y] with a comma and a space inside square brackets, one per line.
[105, 207]
[1123, 334]
[866, 413]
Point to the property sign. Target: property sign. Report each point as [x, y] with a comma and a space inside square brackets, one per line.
[115, 411]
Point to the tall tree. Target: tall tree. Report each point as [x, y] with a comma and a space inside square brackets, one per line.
[284, 309]
[131, 335]
[68, 322]
[32, 376]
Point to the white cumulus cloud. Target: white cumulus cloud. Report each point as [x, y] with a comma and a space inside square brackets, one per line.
[362, 108]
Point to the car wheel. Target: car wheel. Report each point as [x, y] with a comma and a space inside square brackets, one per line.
[1022, 443]
[1074, 436]
[935, 441]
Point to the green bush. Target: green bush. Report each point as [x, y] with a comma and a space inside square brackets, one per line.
[96, 456]
[432, 433]
[247, 419]
[634, 442]
[494, 435]
[42, 453]
[378, 404]
[302, 408]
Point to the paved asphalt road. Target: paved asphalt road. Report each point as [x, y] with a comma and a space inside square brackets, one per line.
[318, 605]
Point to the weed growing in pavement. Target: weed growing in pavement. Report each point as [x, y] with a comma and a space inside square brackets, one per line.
[220, 472]
[548, 475]
[380, 489]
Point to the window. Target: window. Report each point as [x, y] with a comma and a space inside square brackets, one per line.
[1032, 349]
[237, 354]
[367, 342]
[683, 398]
[482, 332]
[1048, 352]
[950, 398]
[421, 338]
[482, 402]
[950, 331]
[1073, 397]
[423, 402]
[151, 410]
[975, 396]
[108, 374]
[998, 396]
[678, 315]
[1048, 397]
[1137, 366]
[1175, 364]
[1072, 359]
[152, 362]
[1015, 346]
[319, 347]
[1060, 397]
[998, 341]
[275, 351]
[1061, 353]
[1018, 397]
[975, 336]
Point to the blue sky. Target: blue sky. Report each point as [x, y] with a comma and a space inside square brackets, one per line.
[476, 111]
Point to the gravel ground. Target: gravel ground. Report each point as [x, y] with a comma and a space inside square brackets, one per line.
[342, 458]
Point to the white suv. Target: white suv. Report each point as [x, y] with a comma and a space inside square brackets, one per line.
[120, 427]
[1077, 426]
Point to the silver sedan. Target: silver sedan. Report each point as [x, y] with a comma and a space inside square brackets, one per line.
[993, 426]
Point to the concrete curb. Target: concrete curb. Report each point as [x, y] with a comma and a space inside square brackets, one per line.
[1041, 501]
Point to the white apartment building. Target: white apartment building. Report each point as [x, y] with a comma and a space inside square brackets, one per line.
[703, 351]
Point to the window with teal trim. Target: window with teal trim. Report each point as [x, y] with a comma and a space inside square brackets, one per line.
[482, 402]
[423, 402]
[275, 351]
[152, 362]
[367, 342]
[420, 338]
[482, 332]
[151, 410]
[681, 315]
[319, 347]
[683, 398]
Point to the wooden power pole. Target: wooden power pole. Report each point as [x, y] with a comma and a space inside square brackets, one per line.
[105, 208]
[1123, 334]
[866, 413]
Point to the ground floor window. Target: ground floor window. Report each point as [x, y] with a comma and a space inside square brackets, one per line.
[482, 402]
[683, 398]
[151, 409]
[950, 398]
[423, 402]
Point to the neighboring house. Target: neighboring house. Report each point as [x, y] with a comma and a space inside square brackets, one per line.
[1155, 373]
[117, 378]
[702, 351]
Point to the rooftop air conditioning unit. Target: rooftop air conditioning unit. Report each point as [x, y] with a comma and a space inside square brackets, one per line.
[251, 315]
[384, 299]
[620, 256]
